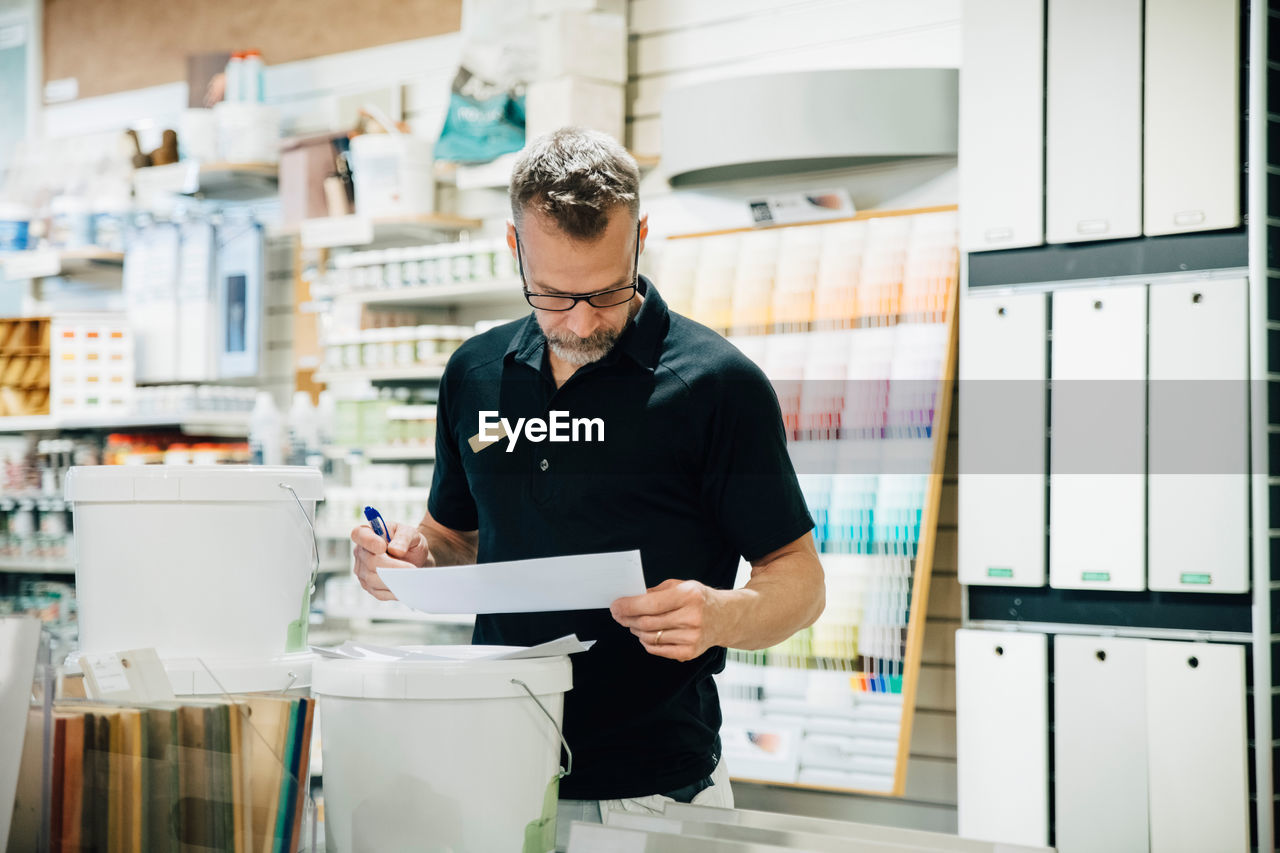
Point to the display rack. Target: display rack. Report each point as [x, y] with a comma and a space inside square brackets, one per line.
[861, 290]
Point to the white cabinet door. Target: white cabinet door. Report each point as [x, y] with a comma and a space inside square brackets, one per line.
[1002, 736]
[1191, 109]
[1198, 522]
[1001, 125]
[1097, 449]
[1196, 750]
[1100, 772]
[1002, 415]
[1093, 146]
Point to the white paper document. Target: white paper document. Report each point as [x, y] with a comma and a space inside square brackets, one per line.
[581, 582]
[350, 650]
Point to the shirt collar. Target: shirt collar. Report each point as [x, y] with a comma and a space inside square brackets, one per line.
[641, 340]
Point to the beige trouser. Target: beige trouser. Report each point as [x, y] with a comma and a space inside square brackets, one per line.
[593, 811]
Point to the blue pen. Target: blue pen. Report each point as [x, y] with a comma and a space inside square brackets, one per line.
[377, 523]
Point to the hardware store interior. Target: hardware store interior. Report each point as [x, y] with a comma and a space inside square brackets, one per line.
[639, 425]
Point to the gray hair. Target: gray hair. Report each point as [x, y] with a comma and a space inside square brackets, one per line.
[575, 177]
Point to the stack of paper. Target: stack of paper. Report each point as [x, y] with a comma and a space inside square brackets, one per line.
[566, 645]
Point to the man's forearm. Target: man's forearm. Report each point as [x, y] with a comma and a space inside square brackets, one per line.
[449, 547]
[782, 597]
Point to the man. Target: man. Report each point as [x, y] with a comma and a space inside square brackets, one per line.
[692, 470]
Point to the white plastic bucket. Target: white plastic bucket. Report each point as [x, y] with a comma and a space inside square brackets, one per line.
[393, 175]
[437, 755]
[195, 561]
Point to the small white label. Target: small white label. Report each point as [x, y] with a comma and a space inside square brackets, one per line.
[790, 208]
[1188, 217]
[108, 672]
[1093, 226]
[998, 235]
[333, 231]
[61, 91]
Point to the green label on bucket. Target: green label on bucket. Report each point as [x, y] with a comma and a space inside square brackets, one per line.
[540, 834]
[296, 634]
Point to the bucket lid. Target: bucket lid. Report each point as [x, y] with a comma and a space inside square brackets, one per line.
[213, 677]
[152, 483]
[442, 679]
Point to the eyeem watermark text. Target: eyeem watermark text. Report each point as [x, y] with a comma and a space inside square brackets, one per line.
[558, 427]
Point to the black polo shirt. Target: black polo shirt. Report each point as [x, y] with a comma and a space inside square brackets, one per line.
[693, 471]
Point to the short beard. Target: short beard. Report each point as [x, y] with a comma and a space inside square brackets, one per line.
[578, 352]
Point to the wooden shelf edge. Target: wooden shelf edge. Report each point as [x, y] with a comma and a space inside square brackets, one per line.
[857, 217]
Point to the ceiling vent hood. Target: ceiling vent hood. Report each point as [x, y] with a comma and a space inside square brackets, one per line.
[804, 121]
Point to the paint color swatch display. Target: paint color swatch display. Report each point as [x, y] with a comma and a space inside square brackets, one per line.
[186, 775]
[842, 275]
[849, 322]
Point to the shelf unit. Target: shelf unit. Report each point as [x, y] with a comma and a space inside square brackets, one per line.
[424, 373]
[335, 232]
[385, 453]
[220, 181]
[225, 424]
[34, 566]
[496, 292]
[45, 263]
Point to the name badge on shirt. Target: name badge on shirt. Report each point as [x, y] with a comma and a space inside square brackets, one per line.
[497, 432]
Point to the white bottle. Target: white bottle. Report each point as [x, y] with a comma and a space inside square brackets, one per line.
[252, 71]
[264, 432]
[304, 435]
[233, 84]
[326, 418]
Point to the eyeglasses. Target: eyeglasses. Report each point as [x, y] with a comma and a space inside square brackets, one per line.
[599, 299]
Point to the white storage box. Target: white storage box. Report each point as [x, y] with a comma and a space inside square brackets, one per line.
[552, 104]
[438, 755]
[583, 44]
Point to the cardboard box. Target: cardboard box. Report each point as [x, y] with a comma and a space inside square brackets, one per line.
[552, 104]
[583, 44]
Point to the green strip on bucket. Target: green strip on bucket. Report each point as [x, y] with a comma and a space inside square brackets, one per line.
[540, 834]
[999, 573]
[1203, 579]
[1096, 576]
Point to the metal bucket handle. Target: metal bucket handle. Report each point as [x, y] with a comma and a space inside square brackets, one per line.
[569, 752]
[315, 549]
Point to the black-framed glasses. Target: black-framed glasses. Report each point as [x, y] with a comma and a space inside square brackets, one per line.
[565, 302]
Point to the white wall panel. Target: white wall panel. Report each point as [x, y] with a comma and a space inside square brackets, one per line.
[1199, 787]
[1100, 755]
[1191, 124]
[1001, 125]
[1093, 127]
[1198, 438]
[1097, 450]
[1002, 436]
[1002, 736]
